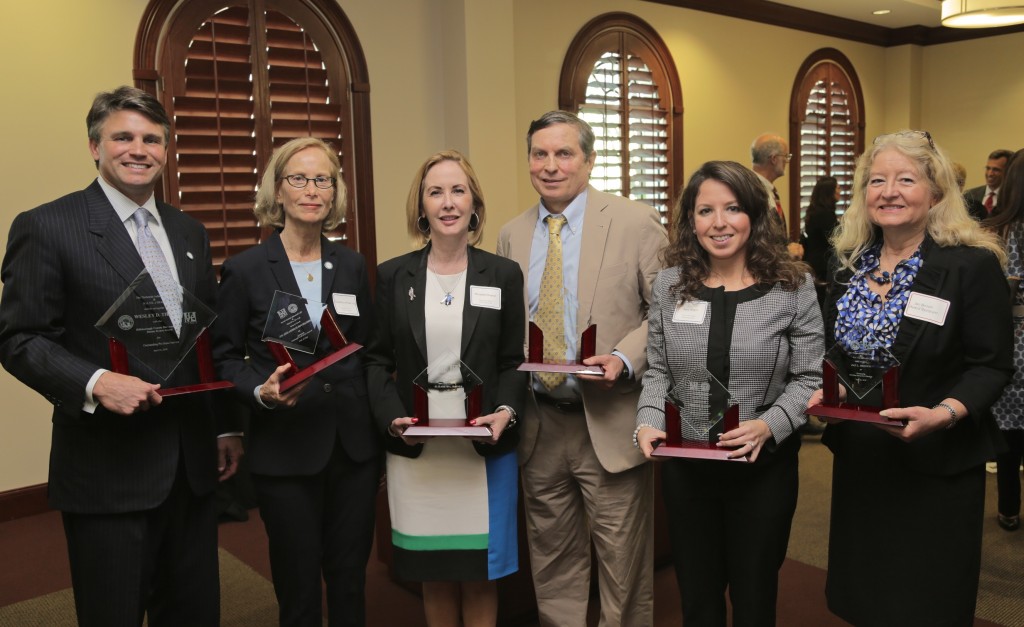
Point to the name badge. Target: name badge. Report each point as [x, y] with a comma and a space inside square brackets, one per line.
[345, 304]
[482, 296]
[690, 312]
[928, 308]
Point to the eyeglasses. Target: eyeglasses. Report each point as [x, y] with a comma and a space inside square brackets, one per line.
[924, 135]
[787, 157]
[299, 181]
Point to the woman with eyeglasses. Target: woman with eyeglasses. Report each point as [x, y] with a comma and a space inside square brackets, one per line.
[919, 284]
[312, 449]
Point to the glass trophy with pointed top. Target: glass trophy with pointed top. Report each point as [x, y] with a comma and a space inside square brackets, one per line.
[582, 349]
[870, 374]
[290, 326]
[697, 412]
[138, 324]
[447, 395]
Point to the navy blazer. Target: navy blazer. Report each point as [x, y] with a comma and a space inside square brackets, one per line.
[492, 341]
[333, 408]
[66, 263]
[968, 357]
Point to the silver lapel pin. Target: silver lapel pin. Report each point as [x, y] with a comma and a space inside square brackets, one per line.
[412, 294]
[328, 265]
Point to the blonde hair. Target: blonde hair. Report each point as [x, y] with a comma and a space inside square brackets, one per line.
[948, 223]
[414, 202]
[269, 212]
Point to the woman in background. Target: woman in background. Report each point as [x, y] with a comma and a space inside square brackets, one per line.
[452, 500]
[819, 222]
[1008, 221]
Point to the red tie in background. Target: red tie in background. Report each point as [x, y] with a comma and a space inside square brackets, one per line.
[988, 201]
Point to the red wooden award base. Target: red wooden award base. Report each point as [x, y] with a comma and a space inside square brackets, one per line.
[832, 407]
[675, 446]
[535, 354]
[428, 427]
[207, 374]
[342, 349]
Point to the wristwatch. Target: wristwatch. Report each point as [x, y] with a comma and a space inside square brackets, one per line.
[511, 413]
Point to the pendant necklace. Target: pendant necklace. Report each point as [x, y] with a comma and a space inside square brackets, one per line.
[309, 277]
[448, 296]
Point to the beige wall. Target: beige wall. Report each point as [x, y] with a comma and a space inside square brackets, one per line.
[471, 74]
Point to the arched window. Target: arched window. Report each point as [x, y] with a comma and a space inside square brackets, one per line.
[618, 75]
[241, 77]
[826, 125]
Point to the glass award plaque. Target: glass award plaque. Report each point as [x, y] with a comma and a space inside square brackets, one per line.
[447, 395]
[138, 324]
[697, 412]
[869, 372]
[290, 326]
[587, 347]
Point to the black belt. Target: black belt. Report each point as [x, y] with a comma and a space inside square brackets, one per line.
[562, 405]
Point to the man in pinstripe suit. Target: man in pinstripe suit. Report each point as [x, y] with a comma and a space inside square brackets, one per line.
[132, 473]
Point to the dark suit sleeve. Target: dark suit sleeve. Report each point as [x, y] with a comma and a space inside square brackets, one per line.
[380, 360]
[230, 332]
[32, 318]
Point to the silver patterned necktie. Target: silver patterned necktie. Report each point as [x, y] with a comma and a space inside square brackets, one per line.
[156, 264]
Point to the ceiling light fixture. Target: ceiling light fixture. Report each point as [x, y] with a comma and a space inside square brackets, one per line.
[981, 13]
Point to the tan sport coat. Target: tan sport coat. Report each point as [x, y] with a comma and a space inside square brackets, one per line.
[619, 258]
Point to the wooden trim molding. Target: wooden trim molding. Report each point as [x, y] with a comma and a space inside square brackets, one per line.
[829, 25]
[22, 502]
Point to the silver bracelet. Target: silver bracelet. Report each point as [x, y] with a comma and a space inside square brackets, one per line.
[511, 413]
[953, 418]
[636, 432]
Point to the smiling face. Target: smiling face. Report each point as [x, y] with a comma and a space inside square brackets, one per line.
[994, 171]
[898, 195]
[447, 201]
[131, 153]
[721, 226]
[559, 170]
[307, 205]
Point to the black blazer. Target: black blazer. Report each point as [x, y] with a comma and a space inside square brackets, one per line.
[492, 341]
[333, 408]
[66, 263]
[968, 358]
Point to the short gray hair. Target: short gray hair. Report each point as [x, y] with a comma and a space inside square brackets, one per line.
[563, 117]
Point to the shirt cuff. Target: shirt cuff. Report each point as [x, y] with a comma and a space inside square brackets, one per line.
[259, 401]
[90, 404]
[231, 434]
[625, 360]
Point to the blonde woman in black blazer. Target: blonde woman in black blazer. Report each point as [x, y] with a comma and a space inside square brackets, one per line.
[908, 502]
[314, 456]
[733, 303]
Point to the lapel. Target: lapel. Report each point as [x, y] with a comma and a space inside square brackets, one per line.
[596, 223]
[477, 272]
[279, 266]
[413, 280]
[328, 269]
[113, 243]
[930, 280]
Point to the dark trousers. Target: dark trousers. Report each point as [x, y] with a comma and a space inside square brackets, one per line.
[161, 562]
[1008, 473]
[729, 524]
[320, 526]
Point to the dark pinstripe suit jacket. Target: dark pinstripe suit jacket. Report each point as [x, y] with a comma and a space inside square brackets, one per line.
[66, 262]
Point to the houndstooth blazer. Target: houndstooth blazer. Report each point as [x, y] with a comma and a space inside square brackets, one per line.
[775, 354]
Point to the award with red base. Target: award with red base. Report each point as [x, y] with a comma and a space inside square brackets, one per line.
[139, 325]
[870, 375]
[454, 390]
[535, 361]
[290, 325]
[697, 412]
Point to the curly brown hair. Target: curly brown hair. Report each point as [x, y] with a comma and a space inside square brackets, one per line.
[768, 261]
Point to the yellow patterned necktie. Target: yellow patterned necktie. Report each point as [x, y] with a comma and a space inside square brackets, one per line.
[551, 305]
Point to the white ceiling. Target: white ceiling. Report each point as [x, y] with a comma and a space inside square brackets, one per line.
[902, 12]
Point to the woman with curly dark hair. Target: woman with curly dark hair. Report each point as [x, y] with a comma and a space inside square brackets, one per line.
[819, 222]
[733, 304]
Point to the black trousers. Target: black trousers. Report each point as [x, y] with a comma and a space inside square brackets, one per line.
[1008, 473]
[320, 526]
[161, 562]
[729, 525]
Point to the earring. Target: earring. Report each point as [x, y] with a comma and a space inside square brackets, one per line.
[474, 221]
[423, 225]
